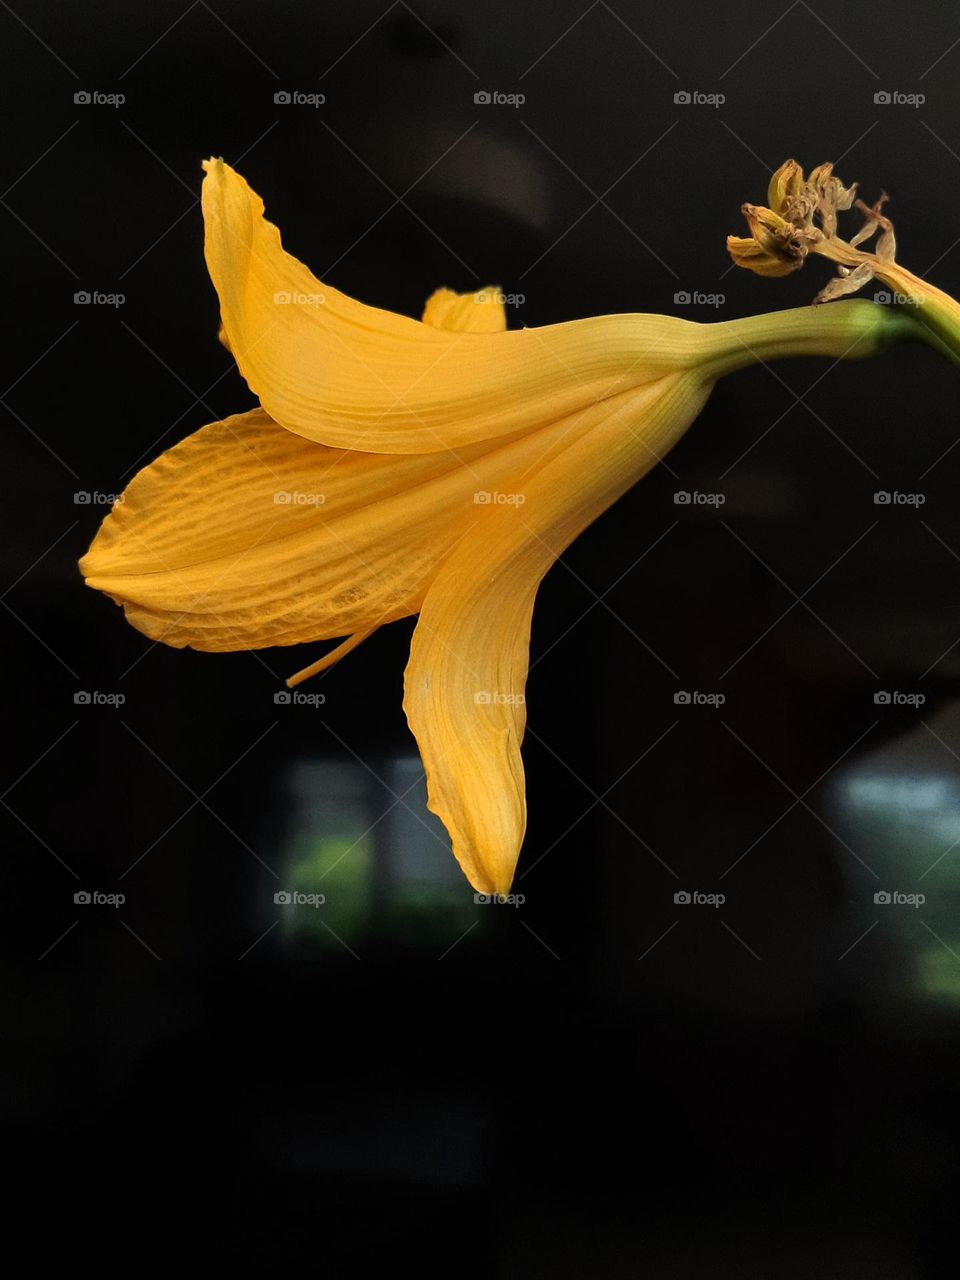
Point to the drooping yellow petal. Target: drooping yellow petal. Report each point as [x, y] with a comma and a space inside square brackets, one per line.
[344, 374]
[480, 312]
[746, 252]
[465, 683]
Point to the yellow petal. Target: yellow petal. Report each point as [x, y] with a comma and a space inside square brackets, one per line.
[465, 682]
[480, 312]
[336, 371]
[245, 535]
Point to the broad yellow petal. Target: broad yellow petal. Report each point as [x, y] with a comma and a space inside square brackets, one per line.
[465, 682]
[480, 312]
[344, 374]
[245, 535]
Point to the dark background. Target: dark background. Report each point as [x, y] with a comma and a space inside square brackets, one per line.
[600, 1082]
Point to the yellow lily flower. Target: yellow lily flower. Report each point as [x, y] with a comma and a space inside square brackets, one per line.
[398, 466]
[802, 219]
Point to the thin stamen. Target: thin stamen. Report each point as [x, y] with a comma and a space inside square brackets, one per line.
[322, 664]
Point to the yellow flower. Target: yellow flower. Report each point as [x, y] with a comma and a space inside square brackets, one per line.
[399, 466]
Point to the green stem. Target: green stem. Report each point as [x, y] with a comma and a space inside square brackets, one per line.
[843, 330]
[937, 314]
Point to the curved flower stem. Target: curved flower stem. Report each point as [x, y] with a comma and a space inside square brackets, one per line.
[844, 330]
[936, 313]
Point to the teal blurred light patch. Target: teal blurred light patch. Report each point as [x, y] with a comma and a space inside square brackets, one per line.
[364, 857]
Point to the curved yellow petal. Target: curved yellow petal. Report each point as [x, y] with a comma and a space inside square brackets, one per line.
[785, 183]
[480, 312]
[336, 371]
[245, 535]
[465, 681]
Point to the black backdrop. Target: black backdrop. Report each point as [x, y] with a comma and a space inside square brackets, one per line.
[601, 1081]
